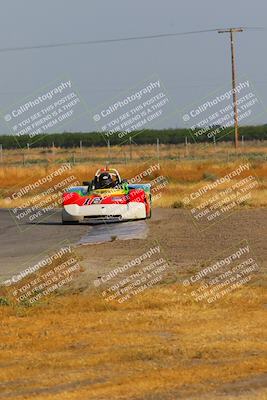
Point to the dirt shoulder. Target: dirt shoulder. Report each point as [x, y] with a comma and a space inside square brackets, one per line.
[184, 246]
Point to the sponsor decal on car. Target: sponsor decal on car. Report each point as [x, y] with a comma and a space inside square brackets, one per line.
[97, 200]
[117, 199]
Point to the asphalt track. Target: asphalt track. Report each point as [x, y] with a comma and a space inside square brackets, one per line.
[19, 244]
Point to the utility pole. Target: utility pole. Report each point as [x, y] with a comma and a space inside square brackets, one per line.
[232, 31]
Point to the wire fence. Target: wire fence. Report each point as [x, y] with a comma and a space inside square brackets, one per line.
[131, 153]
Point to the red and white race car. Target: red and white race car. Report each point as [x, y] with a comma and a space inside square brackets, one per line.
[107, 196]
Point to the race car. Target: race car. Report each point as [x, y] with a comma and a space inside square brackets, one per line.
[107, 197]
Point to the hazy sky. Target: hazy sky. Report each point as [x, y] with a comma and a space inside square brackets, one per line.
[191, 66]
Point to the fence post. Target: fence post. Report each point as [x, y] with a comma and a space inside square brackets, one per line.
[186, 146]
[131, 153]
[158, 149]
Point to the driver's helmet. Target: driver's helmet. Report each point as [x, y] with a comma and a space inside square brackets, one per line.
[105, 180]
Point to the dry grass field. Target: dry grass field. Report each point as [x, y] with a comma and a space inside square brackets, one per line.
[185, 170]
[159, 346]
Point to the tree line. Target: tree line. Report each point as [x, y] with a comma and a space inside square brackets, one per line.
[148, 136]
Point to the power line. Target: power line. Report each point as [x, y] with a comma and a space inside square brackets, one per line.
[115, 40]
[115, 90]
